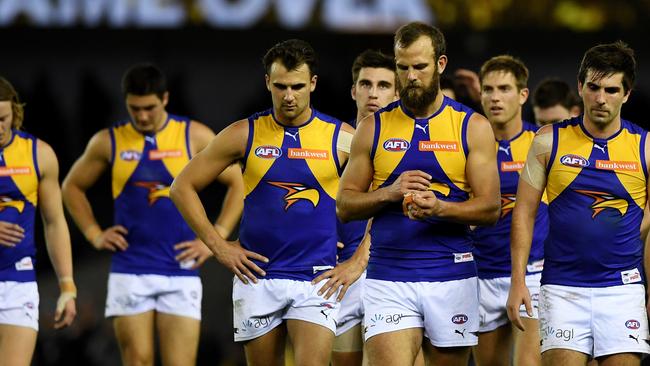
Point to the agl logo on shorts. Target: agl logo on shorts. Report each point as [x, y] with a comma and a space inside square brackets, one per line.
[268, 152]
[575, 161]
[395, 144]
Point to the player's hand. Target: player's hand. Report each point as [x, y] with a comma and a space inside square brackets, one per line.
[518, 295]
[193, 250]
[11, 234]
[112, 239]
[238, 260]
[342, 276]
[469, 82]
[424, 204]
[408, 181]
[66, 309]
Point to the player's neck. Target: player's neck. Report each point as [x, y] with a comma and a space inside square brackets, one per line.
[507, 131]
[602, 130]
[432, 108]
[362, 117]
[161, 122]
[297, 121]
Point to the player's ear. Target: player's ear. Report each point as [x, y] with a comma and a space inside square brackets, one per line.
[312, 83]
[267, 81]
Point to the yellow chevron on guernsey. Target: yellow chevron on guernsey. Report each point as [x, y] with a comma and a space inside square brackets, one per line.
[6, 202]
[296, 192]
[603, 200]
[157, 190]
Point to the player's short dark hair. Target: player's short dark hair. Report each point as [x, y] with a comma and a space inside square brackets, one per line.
[9, 94]
[144, 79]
[506, 63]
[607, 59]
[371, 58]
[552, 92]
[291, 54]
[411, 32]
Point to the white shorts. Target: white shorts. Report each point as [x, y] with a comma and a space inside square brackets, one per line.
[260, 307]
[130, 294]
[19, 304]
[351, 311]
[493, 295]
[448, 311]
[597, 321]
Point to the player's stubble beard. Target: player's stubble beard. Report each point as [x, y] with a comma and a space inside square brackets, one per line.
[417, 99]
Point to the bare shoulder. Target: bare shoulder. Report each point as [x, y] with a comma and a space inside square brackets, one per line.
[46, 157]
[200, 130]
[544, 130]
[347, 128]
[236, 129]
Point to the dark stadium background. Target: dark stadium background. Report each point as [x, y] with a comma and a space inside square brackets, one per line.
[69, 77]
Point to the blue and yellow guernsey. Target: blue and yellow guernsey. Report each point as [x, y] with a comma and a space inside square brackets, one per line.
[428, 250]
[596, 192]
[291, 176]
[143, 168]
[19, 177]
[492, 243]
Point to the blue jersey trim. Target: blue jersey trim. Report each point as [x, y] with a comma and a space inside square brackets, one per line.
[187, 138]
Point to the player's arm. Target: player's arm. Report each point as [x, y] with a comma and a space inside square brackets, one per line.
[529, 194]
[354, 201]
[57, 236]
[84, 174]
[225, 149]
[346, 273]
[233, 203]
[481, 170]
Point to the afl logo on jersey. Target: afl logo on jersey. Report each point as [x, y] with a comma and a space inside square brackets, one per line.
[268, 152]
[459, 319]
[396, 144]
[633, 324]
[575, 161]
[130, 155]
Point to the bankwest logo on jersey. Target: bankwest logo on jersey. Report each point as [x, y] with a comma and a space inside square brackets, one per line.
[7, 171]
[512, 166]
[164, 154]
[157, 190]
[603, 200]
[295, 153]
[629, 166]
[297, 192]
[6, 202]
[451, 146]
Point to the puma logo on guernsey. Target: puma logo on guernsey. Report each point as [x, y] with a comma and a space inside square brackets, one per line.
[601, 148]
[294, 135]
[297, 192]
[603, 200]
[422, 127]
[6, 202]
[157, 190]
[505, 149]
[507, 203]
[7, 171]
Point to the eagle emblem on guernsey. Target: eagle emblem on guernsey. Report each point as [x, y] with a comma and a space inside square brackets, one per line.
[6, 202]
[297, 192]
[507, 203]
[603, 200]
[157, 190]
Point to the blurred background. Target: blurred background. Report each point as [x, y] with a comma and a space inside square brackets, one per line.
[66, 58]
